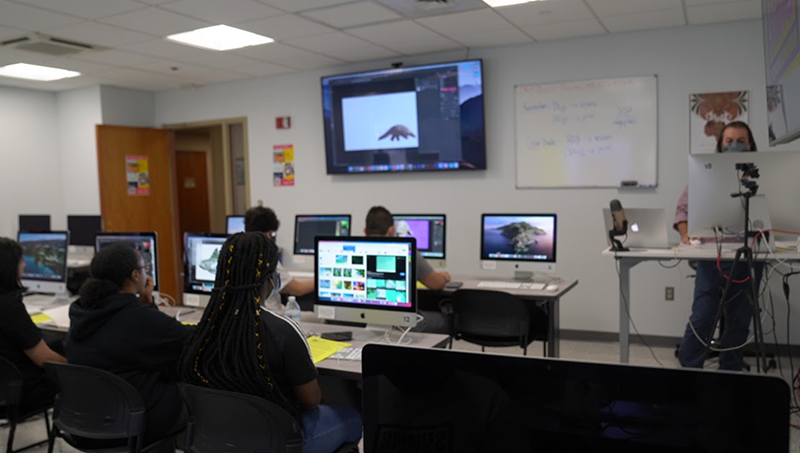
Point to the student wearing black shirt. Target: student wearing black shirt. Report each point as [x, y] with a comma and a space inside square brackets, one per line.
[115, 326]
[226, 350]
[21, 341]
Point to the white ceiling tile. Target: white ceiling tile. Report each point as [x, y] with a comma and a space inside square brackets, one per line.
[294, 6]
[406, 37]
[284, 55]
[367, 53]
[32, 19]
[87, 9]
[327, 42]
[8, 32]
[171, 68]
[724, 12]
[492, 38]
[155, 21]
[132, 78]
[546, 12]
[563, 30]
[155, 2]
[707, 2]
[162, 48]
[616, 7]
[466, 22]
[307, 60]
[353, 14]
[645, 21]
[285, 27]
[224, 60]
[264, 69]
[83, 67]
[115, 57]
[99, 34]
[223, 11]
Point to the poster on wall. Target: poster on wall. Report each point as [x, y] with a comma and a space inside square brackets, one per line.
[710, 112]
[138, 170]
[283, 165]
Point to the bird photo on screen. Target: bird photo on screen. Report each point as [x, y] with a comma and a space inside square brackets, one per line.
[396, 132]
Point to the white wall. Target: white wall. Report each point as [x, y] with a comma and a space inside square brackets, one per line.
[126, 107]
[30, 179]
[78, 113]
[686, 60]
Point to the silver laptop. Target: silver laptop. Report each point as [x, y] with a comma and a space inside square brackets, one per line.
[647, 228]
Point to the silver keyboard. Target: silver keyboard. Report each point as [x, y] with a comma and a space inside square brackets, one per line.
[348, 353]
[511, 285]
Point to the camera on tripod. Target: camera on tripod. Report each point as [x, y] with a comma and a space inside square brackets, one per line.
[748, 170]
[748, 179]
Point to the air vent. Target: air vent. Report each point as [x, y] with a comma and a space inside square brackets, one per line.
[428, 5]
[48, 45]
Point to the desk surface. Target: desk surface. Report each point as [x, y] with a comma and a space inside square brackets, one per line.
[564, 286]
[687, 252]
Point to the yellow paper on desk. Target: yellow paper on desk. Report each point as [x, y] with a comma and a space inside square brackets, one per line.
[420, 285]
[321, 348]
[187, 323]
[40, 318]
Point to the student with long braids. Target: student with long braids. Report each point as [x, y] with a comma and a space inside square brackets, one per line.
[115, 326]
[240, 346]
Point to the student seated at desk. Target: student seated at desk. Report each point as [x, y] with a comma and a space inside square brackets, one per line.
[381, 223]
[115, 326]
[241, 347]
[263, 220]
[21, 341]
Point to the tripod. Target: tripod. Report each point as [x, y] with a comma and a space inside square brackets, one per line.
[744, 257]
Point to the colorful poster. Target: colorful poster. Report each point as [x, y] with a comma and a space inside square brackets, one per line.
[138, 170]
[283, 165]
[710, 112]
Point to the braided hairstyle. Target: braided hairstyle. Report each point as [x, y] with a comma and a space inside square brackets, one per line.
[227, 349]
[110, 267]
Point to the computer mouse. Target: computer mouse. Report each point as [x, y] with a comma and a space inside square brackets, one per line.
[695, 242]
[551, 287]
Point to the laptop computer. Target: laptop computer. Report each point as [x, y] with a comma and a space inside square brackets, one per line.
[647, 228]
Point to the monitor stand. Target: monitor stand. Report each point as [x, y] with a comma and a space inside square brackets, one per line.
[525, 276]
[376, 333]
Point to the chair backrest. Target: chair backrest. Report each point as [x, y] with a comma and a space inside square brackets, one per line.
[489, 313]
[10, 383]
[95, 404]
[233, 422]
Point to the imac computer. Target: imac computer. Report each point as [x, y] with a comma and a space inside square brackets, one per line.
[308, 227]
[235, 224]
[144, 243]
[45, 258]
[714, 177]
[370, 280]
[34, 223]
[427, 229]
[200, 266]
[522, 243]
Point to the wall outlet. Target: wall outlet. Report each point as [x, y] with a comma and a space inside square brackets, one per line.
[669, 293]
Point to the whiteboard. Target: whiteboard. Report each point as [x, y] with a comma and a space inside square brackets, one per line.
[595, 133]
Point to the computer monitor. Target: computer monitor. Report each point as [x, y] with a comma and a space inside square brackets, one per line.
[417, 399]
[427, 229]
[45, 258]
[522, 243]
[308, 227]
[714, 177]
[200, 266]
[144, 243]
[83, 229]
[235, 224]
[371, 280]
[34, 222]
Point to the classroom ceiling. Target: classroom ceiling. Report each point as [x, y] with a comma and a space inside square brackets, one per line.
[311, 34]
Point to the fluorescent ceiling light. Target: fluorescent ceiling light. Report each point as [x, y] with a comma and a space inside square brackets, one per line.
[499, 3]
[34, 72]
[220, 37]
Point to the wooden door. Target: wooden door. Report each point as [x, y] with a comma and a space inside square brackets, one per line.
[193, 207]
[152, 209]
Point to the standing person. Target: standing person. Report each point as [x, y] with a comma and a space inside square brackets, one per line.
[21, 342]
[116, 327]
[710, 281]
[263, 220]
[243, 348]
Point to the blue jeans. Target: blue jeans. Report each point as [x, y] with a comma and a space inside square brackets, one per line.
[326, 428]
[708, 288]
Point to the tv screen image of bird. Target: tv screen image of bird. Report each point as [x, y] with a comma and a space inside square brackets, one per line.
[519, 237]
[44, 255]
[418, 118]
[202, 255]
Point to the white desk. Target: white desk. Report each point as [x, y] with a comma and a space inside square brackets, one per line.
[627, 260]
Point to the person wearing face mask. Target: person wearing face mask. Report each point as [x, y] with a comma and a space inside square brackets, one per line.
[735, 137]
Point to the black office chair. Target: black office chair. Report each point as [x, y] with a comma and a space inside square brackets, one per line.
[100, 406]
[493, 318]
[234, 422]
[10, 399]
